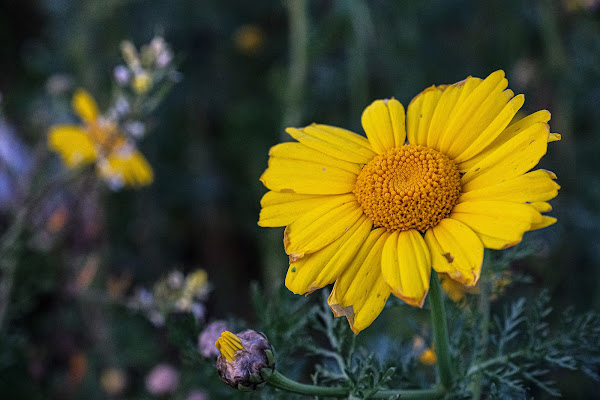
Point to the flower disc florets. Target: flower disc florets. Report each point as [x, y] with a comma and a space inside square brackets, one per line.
[408, 187]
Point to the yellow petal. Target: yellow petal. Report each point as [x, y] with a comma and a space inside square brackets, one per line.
[540, 117]
[360, 292]
[85, 106]
[504, 221]
[533, 186]
[383, 122]
[321, 226]
[298, 151]
[336, 142]
[321, 268]
[73, 144]
[419, 114]
[554, 137]
[541, 206]
[480, 141]
[546, 221]
[510, 160]
[126, 169]
[456, 250]
[287, 175]
[471, 115]
[406, 266]
[281, 209]
[443, 110]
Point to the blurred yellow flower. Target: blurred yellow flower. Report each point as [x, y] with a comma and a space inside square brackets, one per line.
[456, 290]
[99, 141]
[142, 82]
[428, 357]
[249, 39]
[429, 188]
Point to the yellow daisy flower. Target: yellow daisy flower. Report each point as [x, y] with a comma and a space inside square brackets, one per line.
[98, 140]
[427, 190]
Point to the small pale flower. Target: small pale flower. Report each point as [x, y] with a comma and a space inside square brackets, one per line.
[429, 188]
[209, 336]
[162, 380]
[122, 75]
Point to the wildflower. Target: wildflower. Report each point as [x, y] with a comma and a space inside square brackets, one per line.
[162, 380]
[245, 359]
[122, 75]
[428, 357]
[142, 82]
[99, 140]
[454, 289]
[425, 355]
[429, 189]
[208, 337]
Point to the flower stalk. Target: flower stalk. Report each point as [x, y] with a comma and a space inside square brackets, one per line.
[440, 330]
[277, 380]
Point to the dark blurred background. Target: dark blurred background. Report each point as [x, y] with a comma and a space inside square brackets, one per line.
[246, 75]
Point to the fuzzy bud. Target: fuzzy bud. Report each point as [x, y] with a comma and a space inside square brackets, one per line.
[246, 359]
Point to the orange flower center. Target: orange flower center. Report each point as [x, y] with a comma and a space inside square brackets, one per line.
[408, 187]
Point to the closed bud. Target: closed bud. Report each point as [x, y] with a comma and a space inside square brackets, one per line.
[246, 360]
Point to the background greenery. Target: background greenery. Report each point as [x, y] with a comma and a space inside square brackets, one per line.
[250, 69]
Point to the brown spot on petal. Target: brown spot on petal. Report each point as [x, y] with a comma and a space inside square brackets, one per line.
[448, 257]
[287, 191]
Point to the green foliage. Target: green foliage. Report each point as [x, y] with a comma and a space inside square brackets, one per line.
[525, 349]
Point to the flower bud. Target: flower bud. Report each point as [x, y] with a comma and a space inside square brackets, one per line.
[246, 359]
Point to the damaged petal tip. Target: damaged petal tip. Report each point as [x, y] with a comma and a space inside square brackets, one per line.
[295, 257]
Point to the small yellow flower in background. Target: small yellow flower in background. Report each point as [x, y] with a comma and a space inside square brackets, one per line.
[249, 39]
[456, 290]
[142, 82]
[428, 357]
[425, 355]
[196, 283]
[99, 141]
[429, 188]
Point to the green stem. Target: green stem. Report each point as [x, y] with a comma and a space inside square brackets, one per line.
[298, 69]
[484, 309]
[440, 330]
[279, 381]
[493, 361]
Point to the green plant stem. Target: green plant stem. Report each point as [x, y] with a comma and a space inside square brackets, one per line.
[484, 309]
[279, 381]
[440, 330]
[496, 360]
[298, 68]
